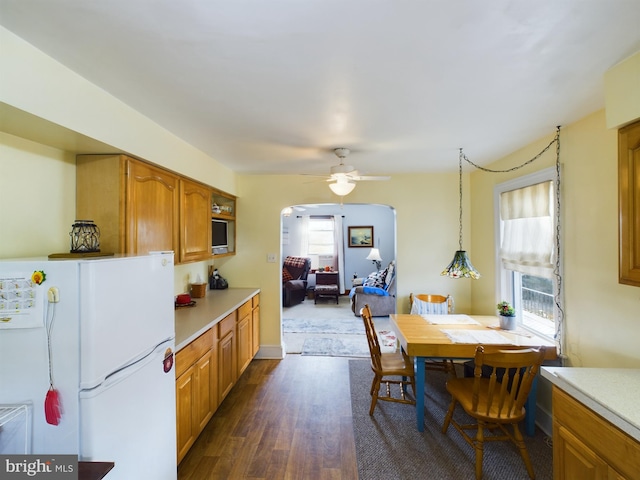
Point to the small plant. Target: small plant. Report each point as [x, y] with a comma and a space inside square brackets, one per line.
[505, 309]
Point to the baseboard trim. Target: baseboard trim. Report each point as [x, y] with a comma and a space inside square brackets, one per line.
[271, 352]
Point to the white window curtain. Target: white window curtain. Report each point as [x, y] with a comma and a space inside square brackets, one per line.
[304, 234]
[527, 237]
[338, 237]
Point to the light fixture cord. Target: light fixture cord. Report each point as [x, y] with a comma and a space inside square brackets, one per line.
[555, 140]
[460, 191]
[559, 333]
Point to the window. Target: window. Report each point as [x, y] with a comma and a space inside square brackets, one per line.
[320, 241]
[526, 249]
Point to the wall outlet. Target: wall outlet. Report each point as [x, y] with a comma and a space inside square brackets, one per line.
[271, 257]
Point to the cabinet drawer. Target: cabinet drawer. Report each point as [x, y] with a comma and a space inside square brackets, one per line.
[192, 352]
[226, 325]
[256, 301]
[618, 449]
[244, 310]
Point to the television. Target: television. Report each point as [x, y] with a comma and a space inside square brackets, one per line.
[219, 236]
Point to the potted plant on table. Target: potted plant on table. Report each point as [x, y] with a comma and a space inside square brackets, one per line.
[507, 316]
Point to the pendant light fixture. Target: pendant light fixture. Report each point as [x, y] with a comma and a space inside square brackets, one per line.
[460, 266]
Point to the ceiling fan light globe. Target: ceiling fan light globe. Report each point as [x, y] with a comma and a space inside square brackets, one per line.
[342, 187]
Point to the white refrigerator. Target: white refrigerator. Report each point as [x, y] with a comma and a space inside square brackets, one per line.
[100, 332]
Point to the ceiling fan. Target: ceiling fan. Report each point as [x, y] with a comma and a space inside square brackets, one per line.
[344, 177]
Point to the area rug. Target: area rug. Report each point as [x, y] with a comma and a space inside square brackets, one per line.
[323, 325]
[339, 346]
[389, 446]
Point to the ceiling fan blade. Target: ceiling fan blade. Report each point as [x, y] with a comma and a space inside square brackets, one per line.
[372, 178]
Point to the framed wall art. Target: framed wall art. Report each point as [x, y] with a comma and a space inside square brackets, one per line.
[361, 236]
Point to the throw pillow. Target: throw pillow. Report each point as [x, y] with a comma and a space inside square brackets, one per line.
[375, 279]
[286, 276]
[389, 276]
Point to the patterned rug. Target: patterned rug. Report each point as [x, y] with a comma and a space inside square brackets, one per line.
[342, 346]
[340, 326]
[326, 329]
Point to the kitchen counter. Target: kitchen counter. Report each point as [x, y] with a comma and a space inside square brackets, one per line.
[191, 322]
[610, 392]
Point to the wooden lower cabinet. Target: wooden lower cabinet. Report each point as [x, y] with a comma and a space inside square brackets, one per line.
[186, 433]
[196, 389]
[227, 357]
[245, 345]
[255, 325]
[208, 368]
[588, 447]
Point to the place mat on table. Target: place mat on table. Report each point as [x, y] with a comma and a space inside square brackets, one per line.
[485, 337]
[449, 319]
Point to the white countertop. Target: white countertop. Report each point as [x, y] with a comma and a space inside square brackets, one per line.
[191, 322]
[613, 393]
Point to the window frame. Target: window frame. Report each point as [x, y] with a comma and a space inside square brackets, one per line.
[315, 257]
[507, 282]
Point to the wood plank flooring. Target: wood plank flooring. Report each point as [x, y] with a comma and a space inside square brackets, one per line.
[284, 419]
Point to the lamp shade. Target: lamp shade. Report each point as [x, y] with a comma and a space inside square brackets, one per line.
[461, 267]
[374, 255]
[342, 186]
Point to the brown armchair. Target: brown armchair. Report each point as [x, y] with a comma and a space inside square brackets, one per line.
[294, 280]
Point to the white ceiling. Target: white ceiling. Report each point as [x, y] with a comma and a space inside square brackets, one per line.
[273, 86]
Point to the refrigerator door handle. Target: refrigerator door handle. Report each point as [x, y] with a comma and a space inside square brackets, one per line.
[123, 372]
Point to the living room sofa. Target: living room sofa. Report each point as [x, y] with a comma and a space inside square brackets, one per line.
[378, 291]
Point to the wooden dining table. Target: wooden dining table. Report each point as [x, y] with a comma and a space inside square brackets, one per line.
[424, 340]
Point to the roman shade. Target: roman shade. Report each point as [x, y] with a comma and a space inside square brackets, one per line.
[527, 230]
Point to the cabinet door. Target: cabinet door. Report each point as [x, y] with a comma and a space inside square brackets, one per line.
[573, 459]
[151, 210]
[255, 329]
[195, 222]
[186, 432]
[226, 364]
[206, 394]
[629, 204]
[244, 343]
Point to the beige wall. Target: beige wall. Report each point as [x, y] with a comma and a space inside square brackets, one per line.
[34, 175]
[37, 198]
[427, 234]
[602, 320]
[622, 92]
[602, 325]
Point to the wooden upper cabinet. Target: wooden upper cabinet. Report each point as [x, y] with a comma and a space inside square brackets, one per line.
[223, 208]
[151, 209]
[141, 208]
[195, 221]
[629, 204]
[134, 204]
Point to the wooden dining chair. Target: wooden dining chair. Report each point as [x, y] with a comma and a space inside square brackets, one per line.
[389, 368]
[496, 400]
[425, 303]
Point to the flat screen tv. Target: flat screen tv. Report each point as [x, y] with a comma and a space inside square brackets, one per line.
[219, 234]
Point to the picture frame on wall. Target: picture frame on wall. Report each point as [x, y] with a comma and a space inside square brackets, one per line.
[361, 236]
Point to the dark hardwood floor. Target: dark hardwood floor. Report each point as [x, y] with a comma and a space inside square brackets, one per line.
[284, 419]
